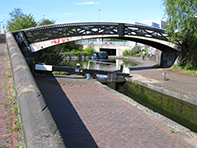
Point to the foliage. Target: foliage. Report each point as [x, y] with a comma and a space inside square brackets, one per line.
[56, 55]
[69, 46]
[50, 56]
[77, 49]
[46, 22]
[181, 19]
[136, 50]
[189, 71]
[182, 28]
[60, 73]
[19, 21]
[193, 72]
[16, 14]
[126, 52]
[89, 50]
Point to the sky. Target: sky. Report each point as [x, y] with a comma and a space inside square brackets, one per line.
[64, 11]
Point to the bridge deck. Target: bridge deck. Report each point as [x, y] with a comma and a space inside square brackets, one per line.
[88, 115]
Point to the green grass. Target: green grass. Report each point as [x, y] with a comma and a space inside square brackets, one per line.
[12, 106]
[193, 72]
[184, 70]
[8, 74]
[59, 73]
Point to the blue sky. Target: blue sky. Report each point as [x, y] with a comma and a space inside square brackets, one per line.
[62, 11]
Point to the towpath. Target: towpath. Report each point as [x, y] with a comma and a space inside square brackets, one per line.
[89, 114]
[5, 133]
[178, 81]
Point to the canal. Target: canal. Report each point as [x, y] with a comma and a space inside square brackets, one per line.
[101, 64]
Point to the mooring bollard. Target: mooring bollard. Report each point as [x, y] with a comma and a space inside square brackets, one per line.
[77, 70]
[165, 76]
[78, 65]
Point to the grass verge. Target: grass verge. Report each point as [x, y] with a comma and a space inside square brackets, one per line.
[15, 121]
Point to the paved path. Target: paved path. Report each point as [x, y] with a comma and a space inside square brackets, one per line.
[88, 116]
[4, 111]
[182, 82]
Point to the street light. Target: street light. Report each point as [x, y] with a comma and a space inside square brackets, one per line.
[1, 29]
[99, 15]
[3, 26]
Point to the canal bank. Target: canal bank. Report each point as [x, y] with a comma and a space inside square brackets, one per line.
[174, 97]
[174, 104]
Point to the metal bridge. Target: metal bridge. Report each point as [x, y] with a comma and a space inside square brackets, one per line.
[60, 33]
[51, 35]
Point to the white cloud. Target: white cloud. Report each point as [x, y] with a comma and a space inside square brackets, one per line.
[87, 3]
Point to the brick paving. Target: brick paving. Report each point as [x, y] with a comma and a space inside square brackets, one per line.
[88, 116]
[182, 82]
[5, 137]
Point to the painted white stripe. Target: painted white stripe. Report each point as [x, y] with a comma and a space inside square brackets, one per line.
[43, 67]
[126, 70]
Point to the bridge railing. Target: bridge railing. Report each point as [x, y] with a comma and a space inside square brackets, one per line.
[55, 31]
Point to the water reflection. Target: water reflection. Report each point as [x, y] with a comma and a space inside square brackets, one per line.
[102, 64]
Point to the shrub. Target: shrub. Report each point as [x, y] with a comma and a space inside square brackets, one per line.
[136, 50]
[127, 52]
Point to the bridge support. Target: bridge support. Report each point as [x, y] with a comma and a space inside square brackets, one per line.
[168, 58]
[25, 49]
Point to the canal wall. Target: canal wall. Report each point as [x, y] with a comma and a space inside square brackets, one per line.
[177, 105]
[39, 127]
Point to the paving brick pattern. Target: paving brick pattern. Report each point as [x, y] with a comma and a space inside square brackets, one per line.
[182, 82]
[4, 112]
[87, 116]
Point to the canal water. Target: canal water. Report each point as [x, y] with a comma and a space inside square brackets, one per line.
[101, 64]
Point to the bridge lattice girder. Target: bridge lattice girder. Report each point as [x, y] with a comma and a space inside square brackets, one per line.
[43, 33]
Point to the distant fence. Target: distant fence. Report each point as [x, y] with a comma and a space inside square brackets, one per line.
[110, 43]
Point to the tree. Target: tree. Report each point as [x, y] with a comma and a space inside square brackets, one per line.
[46, 22]
[19, 20]
[182, 28]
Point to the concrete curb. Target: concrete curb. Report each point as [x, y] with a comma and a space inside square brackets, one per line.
[39, 127]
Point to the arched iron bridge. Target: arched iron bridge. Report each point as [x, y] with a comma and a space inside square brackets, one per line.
[144, 34]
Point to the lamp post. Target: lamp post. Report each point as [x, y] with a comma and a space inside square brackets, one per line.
[99, 15]
[1, 27]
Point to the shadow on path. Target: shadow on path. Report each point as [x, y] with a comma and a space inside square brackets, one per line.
[140, 68]
[71, 127]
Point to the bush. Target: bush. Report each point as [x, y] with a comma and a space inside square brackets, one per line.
[88, 51]
[127, 52]
[136, 50]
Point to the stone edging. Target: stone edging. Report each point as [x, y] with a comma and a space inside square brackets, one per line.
[39, 127]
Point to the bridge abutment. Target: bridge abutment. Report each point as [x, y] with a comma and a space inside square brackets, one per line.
[168, 58]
